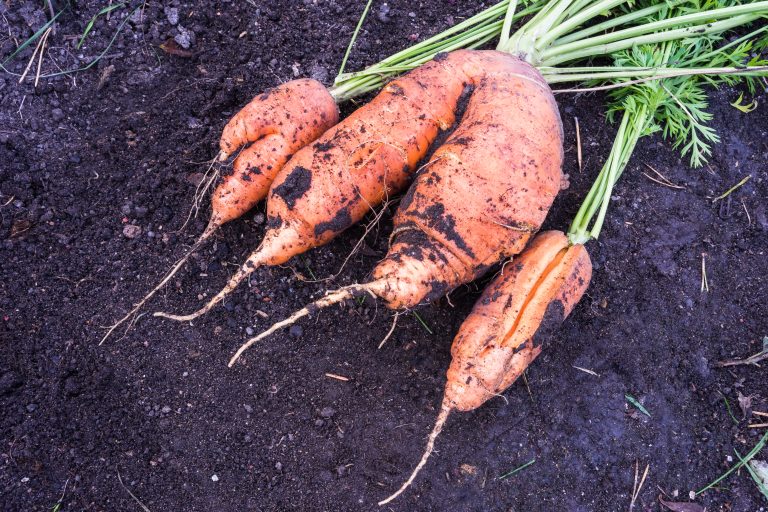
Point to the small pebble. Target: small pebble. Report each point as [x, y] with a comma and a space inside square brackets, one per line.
[328, 412]
[215, 478]
[319, 423]
[31, 407]
[383, 13]
[248, 408]
[296, 331]
[258, 218]
[172, 14]
[279, 466]
[131, 231]
[166, 409]
[249, 331]
[57, 114]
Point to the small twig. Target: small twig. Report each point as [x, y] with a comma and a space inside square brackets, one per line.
[585, 370]
[758, 413]
[730, 190]
[704, 281]
[749, 218]
[337, 377]
[758, 425]
[753, 359]
[578, 142]
[32, 59]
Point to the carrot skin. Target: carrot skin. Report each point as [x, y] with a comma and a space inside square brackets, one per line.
[484, 192]
[276, 124]
[517, 312]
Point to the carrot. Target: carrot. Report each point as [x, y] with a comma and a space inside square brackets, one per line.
[481, 196]
[504, 333]
[330, 185]
[276, 124]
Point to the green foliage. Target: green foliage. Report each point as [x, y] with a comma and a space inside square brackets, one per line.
[677, 107]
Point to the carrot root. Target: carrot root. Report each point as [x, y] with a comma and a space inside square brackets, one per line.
[209, 230]
[332, 298]
[445, 410]
[251, 264]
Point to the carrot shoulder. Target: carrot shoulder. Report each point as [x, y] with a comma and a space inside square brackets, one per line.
[276, 124]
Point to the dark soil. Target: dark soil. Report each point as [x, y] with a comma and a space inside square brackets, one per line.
[85, 156]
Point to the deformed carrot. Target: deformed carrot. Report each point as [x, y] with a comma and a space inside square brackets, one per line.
[273, 126]
[330, 185]
[516, 314]
[479, 199]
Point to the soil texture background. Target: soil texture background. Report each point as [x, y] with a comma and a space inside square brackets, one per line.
[97, 174]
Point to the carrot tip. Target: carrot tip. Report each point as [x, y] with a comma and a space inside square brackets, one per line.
[445, 410]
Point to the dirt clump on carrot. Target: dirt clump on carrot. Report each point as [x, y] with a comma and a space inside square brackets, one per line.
[480, 198]
[271, 128]
[515, 316]
[374, 153]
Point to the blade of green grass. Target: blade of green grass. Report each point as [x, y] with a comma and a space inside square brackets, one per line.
[637, 404]
[754, 451]
[754, 475]
[33, 38]
[422, 322]
[354, 36]
[728, 406]
[89, 27]
[517, 469]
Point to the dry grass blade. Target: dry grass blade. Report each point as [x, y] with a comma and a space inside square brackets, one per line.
[578, 142]
[337, 377]
[704, 280]
[661, 180]
[638, 486]
[586, 370]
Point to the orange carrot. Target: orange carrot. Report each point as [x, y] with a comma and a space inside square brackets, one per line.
[479, 199]
[276, 124]
[328, 186]
[504, 333]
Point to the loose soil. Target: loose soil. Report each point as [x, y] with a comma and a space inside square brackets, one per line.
[86, 156]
